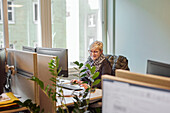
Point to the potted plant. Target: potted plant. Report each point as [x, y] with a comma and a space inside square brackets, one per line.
[81, 101]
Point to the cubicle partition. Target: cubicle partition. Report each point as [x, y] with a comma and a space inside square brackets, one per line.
[129, 92]
[25, 64]
[45, 75]
[28, 64]
[146, 78]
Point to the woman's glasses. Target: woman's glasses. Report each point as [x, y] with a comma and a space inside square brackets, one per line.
[95, 52]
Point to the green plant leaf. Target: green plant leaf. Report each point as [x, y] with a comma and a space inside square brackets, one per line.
[88, 66]
[51, 70]
[27, 102]
[51, 67]
[81, 65]
[85, 82]
[85, 94]
[83, 70]
[50, 64]
[47, 87]
[83, 75]
[53, 79]
[60, 110]
[87, 101]
[76, 69]
[59, 70]
[96, 82]
[57, 61]
[33, 78]
[41, 84]
[61, 90]
[93, 69]
[54, 96]
[95, 75]
[76, 62]
[49, 92]
[54, 85]
[76, 75]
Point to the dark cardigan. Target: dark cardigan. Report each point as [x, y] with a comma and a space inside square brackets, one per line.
[104, 69]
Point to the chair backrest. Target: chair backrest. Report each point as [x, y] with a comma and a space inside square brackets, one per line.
[118, 62]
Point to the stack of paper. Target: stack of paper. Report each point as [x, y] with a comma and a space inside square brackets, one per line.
[6, 101]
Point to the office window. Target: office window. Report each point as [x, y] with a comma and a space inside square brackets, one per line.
[1, 28]
[10, 12]
[1, 16]
[35, 12]
[24, 31]
[76, 24]
[0, 11]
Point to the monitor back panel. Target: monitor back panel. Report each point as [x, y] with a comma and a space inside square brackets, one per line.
[30, 49]
[158, 68]
[62, 55]
[25, 64]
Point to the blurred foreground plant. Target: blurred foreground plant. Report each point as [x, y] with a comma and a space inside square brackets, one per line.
[82, 100]
[50, 91]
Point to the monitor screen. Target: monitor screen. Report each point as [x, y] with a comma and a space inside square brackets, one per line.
[26, 48]
[62, 55]
[158, 68]
[2, 69]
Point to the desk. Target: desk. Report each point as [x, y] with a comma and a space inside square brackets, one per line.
[97, 95]
[46, 103]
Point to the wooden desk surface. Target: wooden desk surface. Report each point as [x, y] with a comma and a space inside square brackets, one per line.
[97, 95]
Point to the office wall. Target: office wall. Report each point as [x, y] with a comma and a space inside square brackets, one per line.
[142, 31]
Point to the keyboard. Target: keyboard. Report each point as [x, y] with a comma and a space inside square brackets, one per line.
[71, 87]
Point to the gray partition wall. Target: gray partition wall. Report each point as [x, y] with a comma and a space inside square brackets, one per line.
[25, 64]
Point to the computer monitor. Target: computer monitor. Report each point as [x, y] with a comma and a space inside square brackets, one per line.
[62, 55]
[2, 69]
[26, 48]
[158, 68]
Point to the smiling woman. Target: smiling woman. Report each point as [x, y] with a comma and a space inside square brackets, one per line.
[96, 49]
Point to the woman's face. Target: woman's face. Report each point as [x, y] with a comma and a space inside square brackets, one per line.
[95, 53]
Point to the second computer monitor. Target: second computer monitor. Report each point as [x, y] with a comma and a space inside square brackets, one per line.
[62, 55]
[158, 68]
[30, 49]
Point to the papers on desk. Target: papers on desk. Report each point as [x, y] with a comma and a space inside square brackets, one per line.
[6, 101]
[63, 81]
[4, 97]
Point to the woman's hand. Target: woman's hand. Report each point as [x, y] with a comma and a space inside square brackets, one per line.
[84, 85]
[74, 81]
